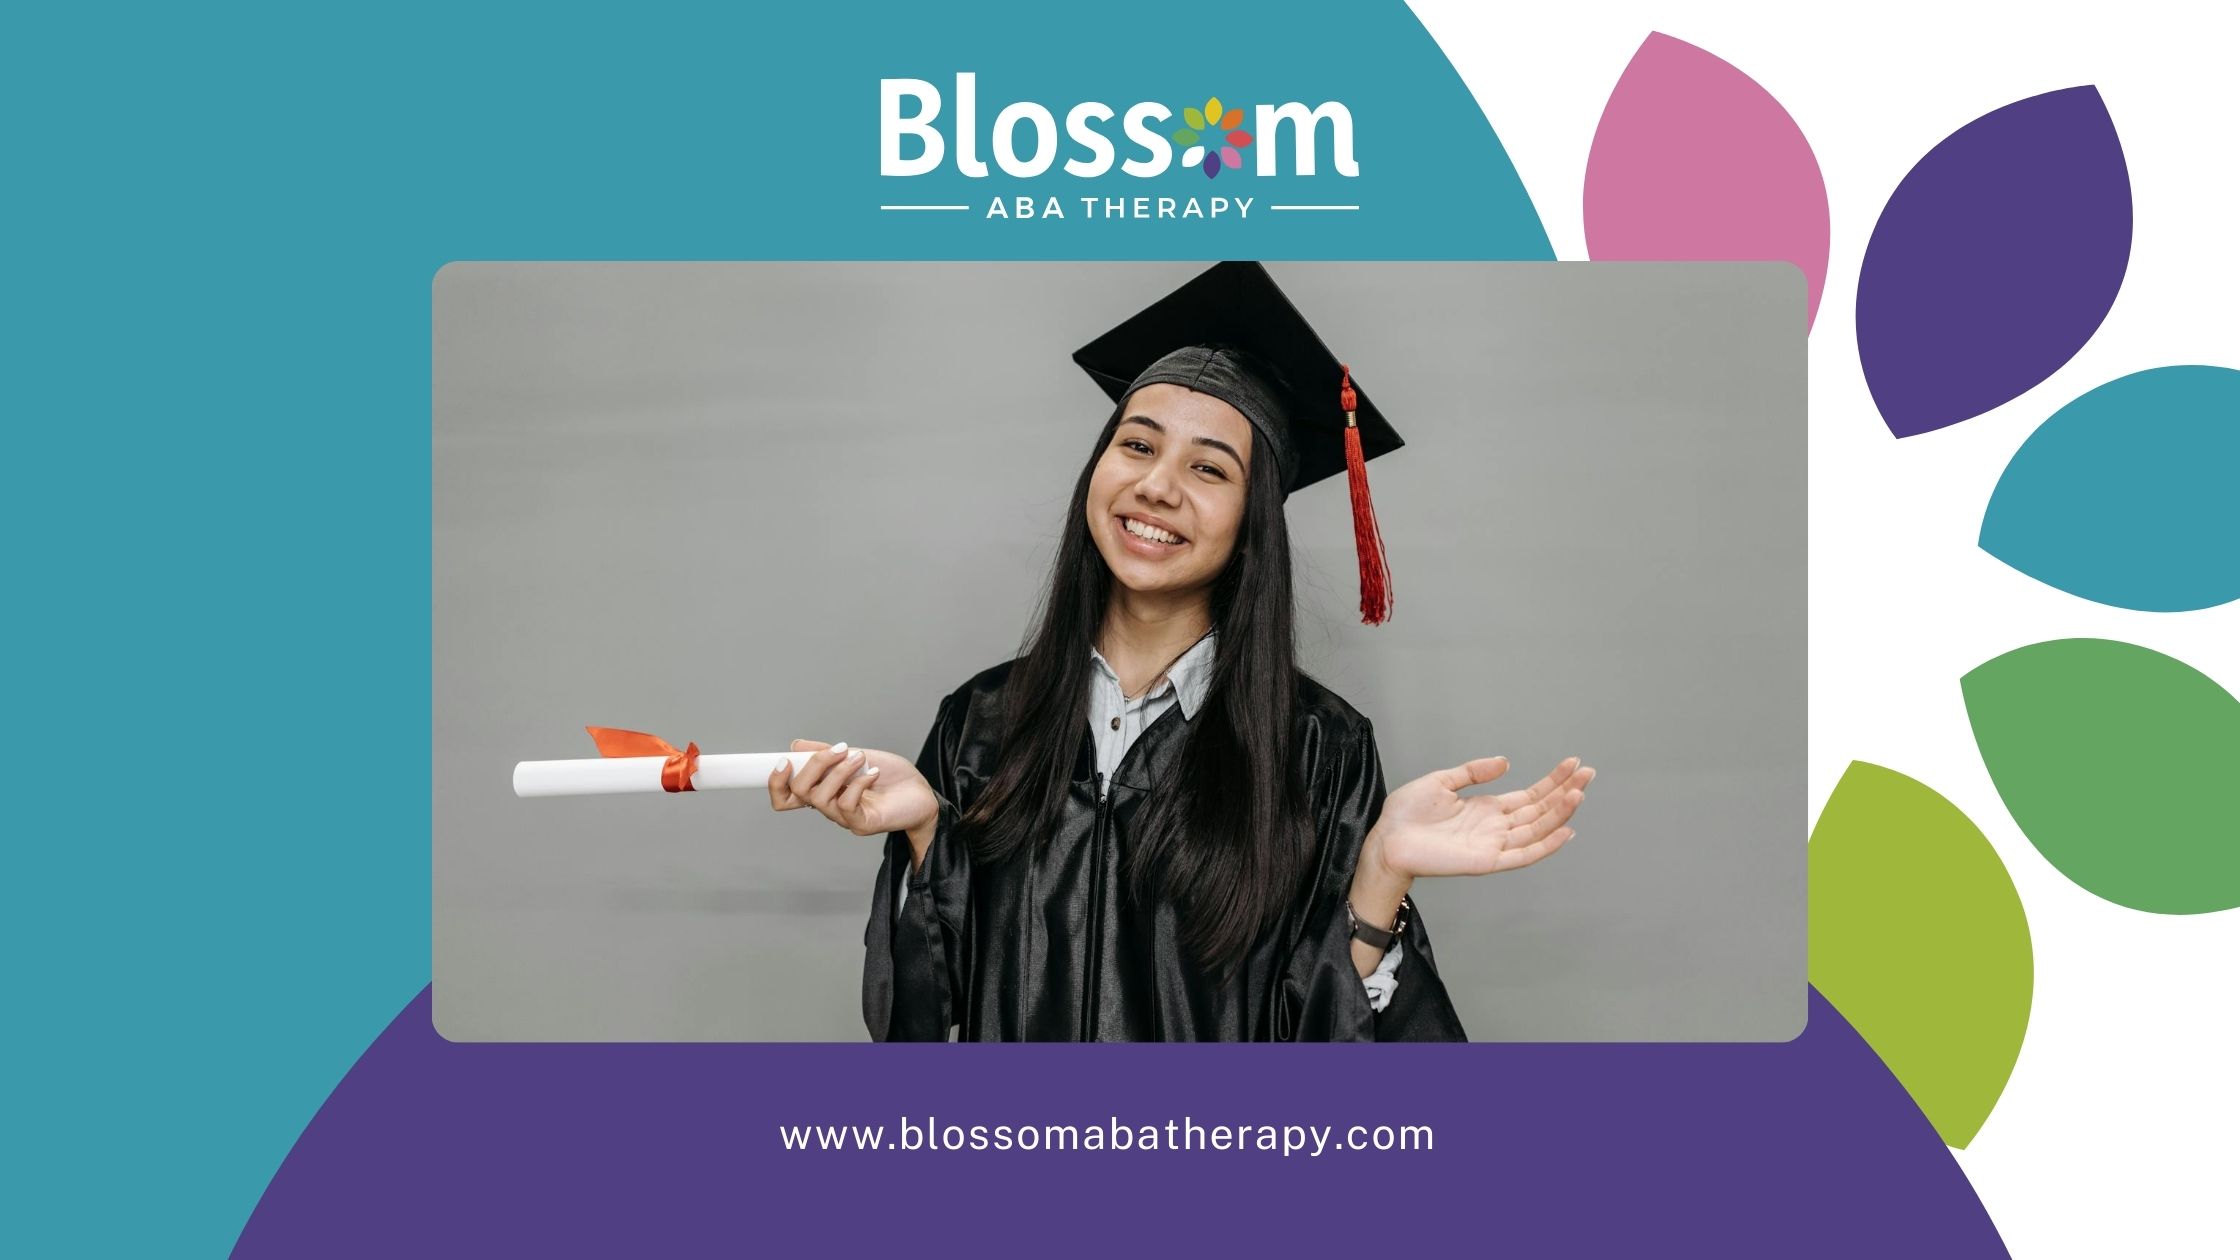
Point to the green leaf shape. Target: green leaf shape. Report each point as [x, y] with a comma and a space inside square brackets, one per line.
[1183, 135]
[1193, 117]
[2121, 765]
[1918, 938]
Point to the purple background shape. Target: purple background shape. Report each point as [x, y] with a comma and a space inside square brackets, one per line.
[1994, 261]
[428, 1148]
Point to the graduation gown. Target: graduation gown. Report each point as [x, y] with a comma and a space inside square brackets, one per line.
[1052, 946]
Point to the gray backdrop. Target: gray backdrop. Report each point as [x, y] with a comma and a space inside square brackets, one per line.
[738, 503]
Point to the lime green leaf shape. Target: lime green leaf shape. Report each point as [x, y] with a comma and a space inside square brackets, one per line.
[1917, 936]
[2121, 765]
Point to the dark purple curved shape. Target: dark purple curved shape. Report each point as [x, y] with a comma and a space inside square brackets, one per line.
[428, 1148]
[1994, 261]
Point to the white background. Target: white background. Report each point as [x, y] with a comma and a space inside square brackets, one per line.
[2114, 1135]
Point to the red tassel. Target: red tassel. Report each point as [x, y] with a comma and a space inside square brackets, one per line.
[1368, 542]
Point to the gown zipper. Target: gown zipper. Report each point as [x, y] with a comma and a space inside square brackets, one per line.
[1096, 913]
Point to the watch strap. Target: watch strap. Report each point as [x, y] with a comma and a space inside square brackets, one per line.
[1377, 938]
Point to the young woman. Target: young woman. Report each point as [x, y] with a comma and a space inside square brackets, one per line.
[1151, 825]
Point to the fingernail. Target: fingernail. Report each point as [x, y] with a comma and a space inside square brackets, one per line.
[840, 747]
[872, 771]
[855, 757]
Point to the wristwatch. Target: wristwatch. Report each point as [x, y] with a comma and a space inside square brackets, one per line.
[1375, 937]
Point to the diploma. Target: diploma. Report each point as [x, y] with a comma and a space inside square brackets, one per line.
[600, 776]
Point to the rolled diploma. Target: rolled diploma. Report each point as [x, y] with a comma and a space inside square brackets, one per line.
[601, 776]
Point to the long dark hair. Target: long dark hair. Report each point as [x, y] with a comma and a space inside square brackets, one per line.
[1224, 841]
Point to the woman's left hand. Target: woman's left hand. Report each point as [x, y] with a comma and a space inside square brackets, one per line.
[1429, 828]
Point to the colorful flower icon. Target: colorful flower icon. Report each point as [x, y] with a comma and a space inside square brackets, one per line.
[1212, 118]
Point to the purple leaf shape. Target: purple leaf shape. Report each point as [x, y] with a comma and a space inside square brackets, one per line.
[1994, 261]
[1694, 161]
[1213, 165]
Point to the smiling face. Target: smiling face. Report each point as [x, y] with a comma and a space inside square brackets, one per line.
[1166, 499]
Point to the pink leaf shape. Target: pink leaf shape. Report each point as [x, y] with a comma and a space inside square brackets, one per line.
[1694, 161]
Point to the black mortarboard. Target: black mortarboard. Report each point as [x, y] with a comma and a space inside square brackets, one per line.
[1231, 333]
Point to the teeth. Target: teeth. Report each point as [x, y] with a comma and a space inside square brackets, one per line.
[1152, 532]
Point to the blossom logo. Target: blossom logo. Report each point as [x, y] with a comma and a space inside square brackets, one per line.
[1205, 155]
[924, 131]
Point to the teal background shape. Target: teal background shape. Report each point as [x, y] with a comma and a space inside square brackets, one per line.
[2127, 495]
[225, 227]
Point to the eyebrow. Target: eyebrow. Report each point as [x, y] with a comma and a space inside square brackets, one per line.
[1215, 443]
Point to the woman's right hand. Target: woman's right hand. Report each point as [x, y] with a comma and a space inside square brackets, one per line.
[867, 791]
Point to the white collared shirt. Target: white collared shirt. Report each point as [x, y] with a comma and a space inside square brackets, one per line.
[1115, 721]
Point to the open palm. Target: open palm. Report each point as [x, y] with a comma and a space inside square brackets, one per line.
[1431, 829]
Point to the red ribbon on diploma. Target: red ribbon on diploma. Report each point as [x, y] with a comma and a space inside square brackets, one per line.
[676, 772]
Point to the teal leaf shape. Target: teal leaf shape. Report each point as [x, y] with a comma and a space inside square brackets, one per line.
[1917, 936]
[2121, 765]
[2126, 495]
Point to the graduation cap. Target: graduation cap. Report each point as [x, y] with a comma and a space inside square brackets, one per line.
[1231, 333]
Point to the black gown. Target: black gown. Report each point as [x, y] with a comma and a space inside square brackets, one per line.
[1050, 945]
